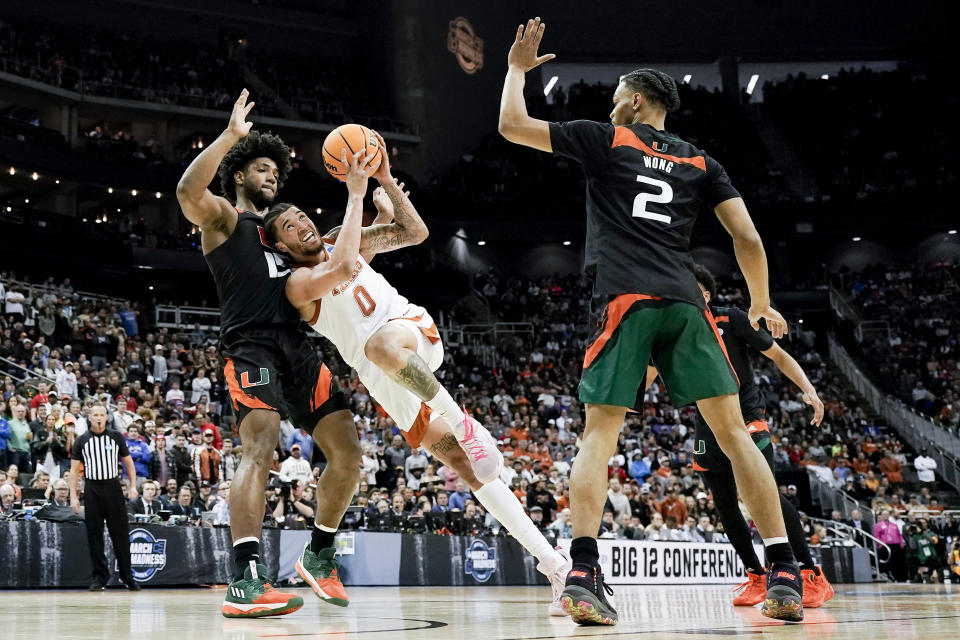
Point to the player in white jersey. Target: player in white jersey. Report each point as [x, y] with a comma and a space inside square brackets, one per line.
[395, 347]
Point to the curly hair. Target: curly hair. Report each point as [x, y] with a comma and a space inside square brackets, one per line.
[706, 279]
[254, 145]
[654, 85]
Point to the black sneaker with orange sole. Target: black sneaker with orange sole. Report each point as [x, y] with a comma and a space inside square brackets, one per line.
[784, 600]
[585, 597]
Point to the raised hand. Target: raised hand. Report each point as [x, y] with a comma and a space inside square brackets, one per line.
[356, 177]
[811, 398]
[523, 52]
[382, 174]
[383, 204]
[238, 119]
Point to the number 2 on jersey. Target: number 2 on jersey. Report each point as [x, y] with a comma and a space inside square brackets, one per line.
[664, 197]
[364, 301]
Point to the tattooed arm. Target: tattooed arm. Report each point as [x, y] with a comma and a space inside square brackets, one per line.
[407, 229]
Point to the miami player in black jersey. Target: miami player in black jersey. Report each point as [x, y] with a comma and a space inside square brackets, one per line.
[740, 339]
[645, 188]
[271, 369]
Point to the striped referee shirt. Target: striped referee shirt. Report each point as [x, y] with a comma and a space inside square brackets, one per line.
[100, 453]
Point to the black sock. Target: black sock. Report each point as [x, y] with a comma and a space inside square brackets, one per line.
[243, 553]
[780, 553]
[584, 551]
[321, 539]
[798, 540]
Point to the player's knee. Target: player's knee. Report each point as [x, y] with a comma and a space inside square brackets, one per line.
[381, 351]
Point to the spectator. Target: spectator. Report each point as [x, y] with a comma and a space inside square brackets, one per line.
[163, 464]
[620, 502]
[228, 462]
[18, 444]
[61, 494]
[221, 507]
[295, 467]
[7, 498]
[888, 532]
[206, 460]
[140, 453]
[182, 458]
[67, 381]
[305, 440]
[170, 497]
[891, 468]
[673, 506]
[925, 466]
[183, 506]
[460, 496]
[147, 503]
[416, 461]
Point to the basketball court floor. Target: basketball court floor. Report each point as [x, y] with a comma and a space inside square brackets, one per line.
[863, 612]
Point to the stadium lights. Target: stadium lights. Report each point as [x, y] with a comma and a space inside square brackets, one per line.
[26, 201]
[566, 243]
[150, 287]
[752, 84]
[109, 189]
[481, 243]
[159, 195]
[825, 77]
[856, 238]
[57, 181]
[105, 215]
[13, 170]
[319, 210]
[293, 153]
[800, 320]
[687, 78]
[133, 192]
[550, 85]
[35, 176]
[9, 209]
[952, 232]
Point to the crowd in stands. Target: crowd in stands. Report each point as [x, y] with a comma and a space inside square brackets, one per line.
[852, 153]
[916, 356]
[166, 393]
[121, 65]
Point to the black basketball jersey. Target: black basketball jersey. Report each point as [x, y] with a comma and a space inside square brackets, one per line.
[739, 338]
[645, 189]
[251, 277]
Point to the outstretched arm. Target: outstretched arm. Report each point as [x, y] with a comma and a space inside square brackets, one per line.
[752, 259]
[516, 125]
[792, 369]
[199, 205]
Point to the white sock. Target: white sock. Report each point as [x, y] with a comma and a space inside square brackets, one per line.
[443, 405]
[499, 501]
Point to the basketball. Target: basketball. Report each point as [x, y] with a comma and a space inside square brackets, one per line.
[352, 138]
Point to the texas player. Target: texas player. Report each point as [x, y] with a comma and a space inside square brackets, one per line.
[395, 348]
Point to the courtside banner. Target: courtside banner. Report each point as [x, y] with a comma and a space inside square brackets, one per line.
[641, 562]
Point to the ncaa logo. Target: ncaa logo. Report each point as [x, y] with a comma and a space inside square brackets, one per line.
[147, 554]
[481, 561]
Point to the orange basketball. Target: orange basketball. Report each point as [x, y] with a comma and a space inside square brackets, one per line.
[352, 138]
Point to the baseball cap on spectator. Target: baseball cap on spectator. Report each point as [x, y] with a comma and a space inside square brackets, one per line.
[295, 446]
[69, 419]
[792, 487]
[701, 496]
[645, 488]
[551, 421]
[196, 430]
[149, 423]
[535, 508]
[205, 483]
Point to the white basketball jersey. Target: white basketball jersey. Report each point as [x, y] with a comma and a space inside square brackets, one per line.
[356, 308]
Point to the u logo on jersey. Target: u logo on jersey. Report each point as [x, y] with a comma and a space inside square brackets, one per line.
[701, 448]
[264, 379]
[659, 146]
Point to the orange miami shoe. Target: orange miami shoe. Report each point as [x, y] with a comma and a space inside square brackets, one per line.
[254, 597]
[320, 570]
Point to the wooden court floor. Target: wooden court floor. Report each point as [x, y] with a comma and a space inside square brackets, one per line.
[863, 612]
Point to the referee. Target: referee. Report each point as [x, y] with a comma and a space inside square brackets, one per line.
[100, 452]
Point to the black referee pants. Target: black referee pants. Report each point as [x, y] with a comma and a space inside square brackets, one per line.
[103, 501]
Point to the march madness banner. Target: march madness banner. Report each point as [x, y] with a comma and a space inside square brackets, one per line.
[641, 562]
